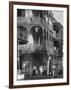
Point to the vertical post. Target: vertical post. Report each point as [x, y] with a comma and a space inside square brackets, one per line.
[18, 54]
[43, 35]
[46, 37]
[48, 65]
[48, 29]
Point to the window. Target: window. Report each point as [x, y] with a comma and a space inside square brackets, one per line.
[20, 12]
[21, 35]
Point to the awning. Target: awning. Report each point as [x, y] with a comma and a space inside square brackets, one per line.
[21, 41]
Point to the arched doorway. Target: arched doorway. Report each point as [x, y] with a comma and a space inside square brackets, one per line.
[37, 33]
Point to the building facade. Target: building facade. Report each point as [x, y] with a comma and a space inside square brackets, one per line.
[39, 39]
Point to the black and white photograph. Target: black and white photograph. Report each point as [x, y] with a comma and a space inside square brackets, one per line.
[39, 44]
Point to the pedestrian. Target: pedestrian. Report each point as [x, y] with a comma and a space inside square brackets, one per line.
[34, 71]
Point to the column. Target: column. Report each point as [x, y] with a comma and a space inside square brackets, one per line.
[46, 38]
[48, 65]
[48, 62]
[43, 35]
